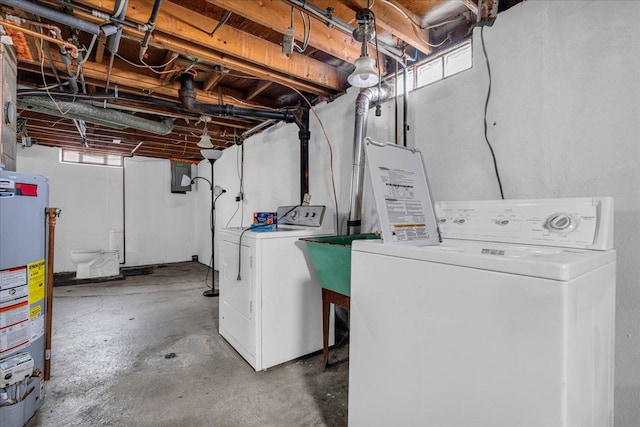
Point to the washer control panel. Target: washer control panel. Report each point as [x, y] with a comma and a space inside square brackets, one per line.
[304, 215]
[574, 223]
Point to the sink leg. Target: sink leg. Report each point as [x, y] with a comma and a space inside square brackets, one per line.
[326, 305]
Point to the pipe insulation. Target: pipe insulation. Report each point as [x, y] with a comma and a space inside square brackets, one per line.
[120, 9]
[53, 15]
[366, 98]
[151, 25]
[103, 116]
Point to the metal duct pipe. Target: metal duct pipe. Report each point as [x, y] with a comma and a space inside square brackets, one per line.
[365, 99]
[87, 112]
[53, 15]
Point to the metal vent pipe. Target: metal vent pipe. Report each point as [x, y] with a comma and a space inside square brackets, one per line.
[87, 112]
[365, 99]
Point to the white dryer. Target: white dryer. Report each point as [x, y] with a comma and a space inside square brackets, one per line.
[270, 296]
[509, 322]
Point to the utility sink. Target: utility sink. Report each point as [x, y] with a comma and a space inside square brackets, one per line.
[331, 257]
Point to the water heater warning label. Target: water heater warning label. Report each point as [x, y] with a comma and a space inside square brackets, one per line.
[36, 281]
[14, 310]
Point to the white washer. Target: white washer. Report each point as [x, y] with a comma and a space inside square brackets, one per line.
[509, 322]
[273, 313]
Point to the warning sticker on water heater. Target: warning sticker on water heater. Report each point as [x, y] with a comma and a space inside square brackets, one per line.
[14, 310]
[36, 281]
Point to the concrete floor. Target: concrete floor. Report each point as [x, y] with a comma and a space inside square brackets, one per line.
[111, 363]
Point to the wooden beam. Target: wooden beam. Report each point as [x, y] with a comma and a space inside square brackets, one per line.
[208, 56]
[388, 19]
[276, 15]
[212, 80]
[169, 60]
[188, 27]
[257, 89]
[137, 83]
[102, 41]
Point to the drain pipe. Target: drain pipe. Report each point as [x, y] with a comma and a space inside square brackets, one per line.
[365, 99]
[300, 117]
[302, 120]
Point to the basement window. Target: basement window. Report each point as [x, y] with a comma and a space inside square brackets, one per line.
[100, 159]
[447, 64]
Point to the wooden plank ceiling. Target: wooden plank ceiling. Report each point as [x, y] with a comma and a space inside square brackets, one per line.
[232, 50]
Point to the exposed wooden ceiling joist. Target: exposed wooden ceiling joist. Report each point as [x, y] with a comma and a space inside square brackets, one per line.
[185, 24]
[276, 15]
[241, 64]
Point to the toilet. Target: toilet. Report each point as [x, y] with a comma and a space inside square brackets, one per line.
[95, 263]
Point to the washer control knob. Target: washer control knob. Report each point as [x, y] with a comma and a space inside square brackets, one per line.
[503, 221]
[560, 222]
[460, 221]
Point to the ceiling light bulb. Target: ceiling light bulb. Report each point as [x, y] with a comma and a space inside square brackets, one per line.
[205, 141]
[364, 75]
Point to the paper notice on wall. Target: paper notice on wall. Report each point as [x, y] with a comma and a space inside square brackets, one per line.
[402, 195]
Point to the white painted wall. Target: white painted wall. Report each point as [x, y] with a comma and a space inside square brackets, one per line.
[159, 226]
[90, 198]
[563, 119]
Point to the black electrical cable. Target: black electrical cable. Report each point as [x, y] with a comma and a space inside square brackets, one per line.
[212, 226]
[251, 228]
[486, 104]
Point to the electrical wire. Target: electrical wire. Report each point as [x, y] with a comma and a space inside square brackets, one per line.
[150, 67]
[225, 18]
[486, 104]
[306, 34]
[239, 202]
[44, 81]
[326, 136]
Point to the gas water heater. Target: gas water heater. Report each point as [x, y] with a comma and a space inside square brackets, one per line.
[23, 200]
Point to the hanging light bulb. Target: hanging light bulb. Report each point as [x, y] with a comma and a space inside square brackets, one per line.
[205, 139]
[365, 75]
